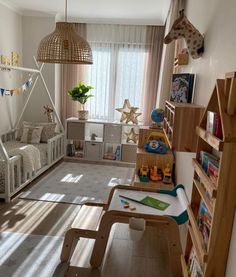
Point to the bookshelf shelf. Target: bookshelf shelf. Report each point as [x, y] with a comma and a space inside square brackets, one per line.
[180, 122]
[202, 193]
[213, 141]
[197, 237]
[213, 203]
[209, 185]
[184, 267]
[200, 252]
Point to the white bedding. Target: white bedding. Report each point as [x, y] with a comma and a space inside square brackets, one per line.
[10, 146]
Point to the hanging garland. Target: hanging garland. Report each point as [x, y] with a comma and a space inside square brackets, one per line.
[18, 90]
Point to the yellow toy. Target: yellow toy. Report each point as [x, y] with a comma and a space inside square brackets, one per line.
[143, 173]
[167, 174]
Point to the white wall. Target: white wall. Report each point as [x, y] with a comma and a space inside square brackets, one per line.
[217, 20]
[34, 29]
[11, 40]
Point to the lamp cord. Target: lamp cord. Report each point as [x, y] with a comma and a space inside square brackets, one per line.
[65, 10]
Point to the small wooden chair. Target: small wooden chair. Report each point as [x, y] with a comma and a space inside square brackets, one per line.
[94, 221]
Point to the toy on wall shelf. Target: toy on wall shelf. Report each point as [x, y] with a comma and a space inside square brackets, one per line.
[155, 173]
[182, 28]
[167, 174]
[143, 173]
[156, 146]
[157, 135]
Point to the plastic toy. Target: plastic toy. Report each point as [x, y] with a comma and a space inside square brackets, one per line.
[143, 173]
[156, 146]
[155, 174]
[158, 135]
[167, 174]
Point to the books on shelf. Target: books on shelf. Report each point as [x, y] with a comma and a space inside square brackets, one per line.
[194, 267]
[210, 164]
[214, 124]
[204, 222]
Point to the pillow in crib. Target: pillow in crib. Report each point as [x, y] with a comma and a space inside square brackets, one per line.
[47, 132]
[31, 134]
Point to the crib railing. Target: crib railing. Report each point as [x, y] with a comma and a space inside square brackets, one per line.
[55, 148]
[15, 177]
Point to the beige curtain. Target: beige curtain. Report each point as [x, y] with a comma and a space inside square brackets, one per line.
[167, 60]
[70, 75]
[154, 40]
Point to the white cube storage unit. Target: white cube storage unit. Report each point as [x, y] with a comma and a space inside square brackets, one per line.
[93, 150]
[102, 140]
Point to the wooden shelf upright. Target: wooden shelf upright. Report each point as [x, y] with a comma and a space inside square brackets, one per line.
[219, 196]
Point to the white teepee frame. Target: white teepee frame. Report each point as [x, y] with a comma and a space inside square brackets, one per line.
[56, 144]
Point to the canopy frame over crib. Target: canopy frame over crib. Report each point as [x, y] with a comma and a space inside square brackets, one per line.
[55, 145]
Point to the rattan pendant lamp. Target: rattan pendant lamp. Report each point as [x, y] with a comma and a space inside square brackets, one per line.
[64, 45]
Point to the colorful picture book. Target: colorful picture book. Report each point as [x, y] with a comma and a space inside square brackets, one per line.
[210, 164]
[182, 88]
[214, 124]
[204, 222]
[194, 267]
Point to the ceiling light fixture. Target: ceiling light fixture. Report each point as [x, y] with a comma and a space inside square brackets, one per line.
[64, 45]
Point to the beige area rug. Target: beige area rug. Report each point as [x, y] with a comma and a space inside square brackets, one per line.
[78, 183]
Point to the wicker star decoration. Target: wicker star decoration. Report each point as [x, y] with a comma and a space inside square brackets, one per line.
[132, 136]
[132, 116]
[126, 109]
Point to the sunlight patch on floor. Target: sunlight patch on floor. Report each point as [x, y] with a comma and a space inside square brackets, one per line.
[69, 178]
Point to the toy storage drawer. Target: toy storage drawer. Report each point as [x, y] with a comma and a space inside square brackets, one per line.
[112, 133]
[75, 130]
[93, 150]
[128, 153]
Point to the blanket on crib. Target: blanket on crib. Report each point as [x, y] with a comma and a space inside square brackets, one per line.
[30, 156]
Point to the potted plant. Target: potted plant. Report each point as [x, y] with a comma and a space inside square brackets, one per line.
[80, 93]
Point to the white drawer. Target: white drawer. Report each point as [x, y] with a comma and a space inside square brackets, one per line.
[75, 130]
[128, 153]
[112, 133]
[93, 150]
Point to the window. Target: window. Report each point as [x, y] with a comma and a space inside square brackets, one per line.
[117, 73]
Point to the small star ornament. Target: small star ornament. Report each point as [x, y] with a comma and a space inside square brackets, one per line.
[132, 116]
[128, 113]
[132, 136]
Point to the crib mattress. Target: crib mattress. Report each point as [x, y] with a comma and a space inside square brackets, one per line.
[9, 145]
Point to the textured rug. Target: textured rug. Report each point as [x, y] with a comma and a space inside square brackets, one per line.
[29, 255]
[78, 183]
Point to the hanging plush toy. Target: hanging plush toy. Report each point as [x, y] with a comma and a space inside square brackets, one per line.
[194, 39]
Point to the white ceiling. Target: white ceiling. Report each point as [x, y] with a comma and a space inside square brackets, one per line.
[152, 12]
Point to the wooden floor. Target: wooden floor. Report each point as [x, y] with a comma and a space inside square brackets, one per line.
[124, 257]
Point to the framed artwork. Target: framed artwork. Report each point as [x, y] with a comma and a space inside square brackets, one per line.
[182, 88]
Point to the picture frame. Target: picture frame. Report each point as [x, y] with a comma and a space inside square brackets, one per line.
[182, 87]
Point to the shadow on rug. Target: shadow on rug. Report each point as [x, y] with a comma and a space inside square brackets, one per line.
[78, 183]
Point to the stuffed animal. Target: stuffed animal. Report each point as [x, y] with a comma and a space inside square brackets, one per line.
[194, 39]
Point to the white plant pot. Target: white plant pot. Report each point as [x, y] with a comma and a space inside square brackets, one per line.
[83, 115]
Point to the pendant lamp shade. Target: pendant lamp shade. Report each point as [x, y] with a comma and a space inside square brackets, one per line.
[65, 46]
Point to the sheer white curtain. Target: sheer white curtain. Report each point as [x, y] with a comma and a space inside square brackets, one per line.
[119, 54]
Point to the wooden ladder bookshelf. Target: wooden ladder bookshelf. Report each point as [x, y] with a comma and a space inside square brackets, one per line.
[218, 195]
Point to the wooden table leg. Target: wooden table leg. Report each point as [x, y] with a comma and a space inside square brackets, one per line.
[101, 240]
[71, 238]
[175, 250]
